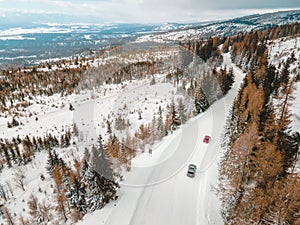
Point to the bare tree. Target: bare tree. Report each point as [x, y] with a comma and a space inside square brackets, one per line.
[10, 188]
[3, 193]
[19, 177]
[45, 208]
[60, 197]
[23, 221]
[32, 205]
[7, 215]
[35, 209]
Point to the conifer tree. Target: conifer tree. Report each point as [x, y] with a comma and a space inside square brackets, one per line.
[76, 195]
[100, 160]
[173, 117]
[7, 215]
[6, 155]
[201, 102]
[113, 146]
[100, 190]
[60, 192]
[35, 209]
[51, 161]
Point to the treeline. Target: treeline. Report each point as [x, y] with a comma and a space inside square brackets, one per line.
[244, 46]
[20, 87]
[201, 50]
[16, 85]
[87, 185]
[20, 151]
[136, 70]
[202, 92]
[86, 188]
[258, 184]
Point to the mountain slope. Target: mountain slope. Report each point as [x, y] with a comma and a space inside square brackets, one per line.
[162, 193]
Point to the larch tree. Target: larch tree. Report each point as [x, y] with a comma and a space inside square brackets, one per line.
[172, 117]
[113, 147]
[19, 178]
[35, 210]
[7, 215]
[60, 192]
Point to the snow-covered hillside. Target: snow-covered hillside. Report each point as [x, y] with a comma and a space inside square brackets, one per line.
[279, 52]
[123, 97]
[224, 28]
[138, 101]
[157, 190]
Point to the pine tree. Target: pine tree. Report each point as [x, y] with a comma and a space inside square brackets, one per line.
[100, 160]
[100, 190]
[12, 153]
[201, 102]
[225, 80]
[52, 160]
[77, 166]
[45, 210]
[19, 156]
[143, 133]
[62, 141]
[23, 221]
[86, 154]
[76, 195]
[83, 169]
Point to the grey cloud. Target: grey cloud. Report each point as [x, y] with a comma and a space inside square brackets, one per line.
[220, 4]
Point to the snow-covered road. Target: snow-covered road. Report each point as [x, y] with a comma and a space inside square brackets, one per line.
[157, 190]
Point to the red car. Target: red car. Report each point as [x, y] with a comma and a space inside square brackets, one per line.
[206, 139]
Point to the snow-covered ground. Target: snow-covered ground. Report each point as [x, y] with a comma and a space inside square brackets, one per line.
[157, 190]
[92, 109]
[279, 51]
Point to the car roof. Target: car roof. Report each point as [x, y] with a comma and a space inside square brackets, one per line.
[192, 165]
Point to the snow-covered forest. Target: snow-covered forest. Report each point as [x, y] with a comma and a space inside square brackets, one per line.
[73, 131]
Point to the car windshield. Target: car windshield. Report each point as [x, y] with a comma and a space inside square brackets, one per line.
[192, 167]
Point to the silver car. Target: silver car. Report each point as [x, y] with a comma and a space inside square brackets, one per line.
[191, 170]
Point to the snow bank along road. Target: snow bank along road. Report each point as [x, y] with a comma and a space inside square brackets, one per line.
[157, 190]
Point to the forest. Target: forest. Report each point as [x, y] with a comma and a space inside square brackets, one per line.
[258, 183]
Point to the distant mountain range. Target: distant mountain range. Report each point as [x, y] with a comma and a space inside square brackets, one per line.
[27, 44]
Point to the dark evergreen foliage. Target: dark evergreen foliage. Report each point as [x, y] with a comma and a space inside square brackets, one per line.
[76, 195]
[99, 190]
[100, 160]
[201, 102]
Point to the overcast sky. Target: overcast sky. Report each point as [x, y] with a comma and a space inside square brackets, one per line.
[142, 11]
